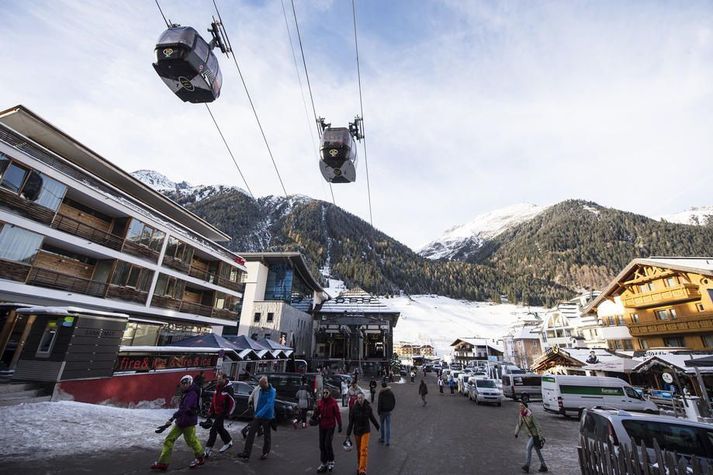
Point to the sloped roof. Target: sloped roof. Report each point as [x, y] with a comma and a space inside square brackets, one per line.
[208, 340]
[478, 342]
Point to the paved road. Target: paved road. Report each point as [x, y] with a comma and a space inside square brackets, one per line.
[451, 434]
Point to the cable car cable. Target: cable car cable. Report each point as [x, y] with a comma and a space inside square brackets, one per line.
[361, 105]
[252, 105]
[230, 151]
[302, 94]
[215, 122]
[168, 24]
[309, 85]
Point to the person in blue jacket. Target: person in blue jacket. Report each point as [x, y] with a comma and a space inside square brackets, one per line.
[264, 414]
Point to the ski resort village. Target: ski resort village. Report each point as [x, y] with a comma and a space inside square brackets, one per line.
[222, 242]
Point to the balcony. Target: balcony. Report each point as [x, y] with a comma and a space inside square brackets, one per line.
[198, 309]
[56, 280]
[12, 270]
[202, 274]
[166, 302]
[77, 228]
[176, 264]
[226, 314]
[26, 208]
[671, 295]
[126, 293]
[229, 284]
[697, 324]
[140, 250]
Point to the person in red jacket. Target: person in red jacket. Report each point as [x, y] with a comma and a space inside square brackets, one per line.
[221, 406]
[327, 412]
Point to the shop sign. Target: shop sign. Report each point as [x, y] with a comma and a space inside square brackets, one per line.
[158, 362]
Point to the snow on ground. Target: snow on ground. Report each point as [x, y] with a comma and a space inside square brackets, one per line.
[440, 320]
[695, 216]
[47, 429]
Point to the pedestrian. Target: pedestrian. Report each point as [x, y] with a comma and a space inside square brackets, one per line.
[372, 389]
[304, 401]
[413, 374]
[328, 414]
[264, 414]
[252, 401]
[199, 381]
[451, 384]
[424, 371]
[360, 415]
[345, 390]
[423, 390]
[384, 407]
[352, 393]
[221, 407]
[440, 385]
[186, 418]
[536, 440]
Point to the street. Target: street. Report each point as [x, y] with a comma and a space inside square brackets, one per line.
[451, 433]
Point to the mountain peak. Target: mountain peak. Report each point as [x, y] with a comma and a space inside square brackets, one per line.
[155, 180]
[696, 215]
[482, 228]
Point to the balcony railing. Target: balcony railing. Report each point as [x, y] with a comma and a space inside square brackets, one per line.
[25, 207]
[126, 293]
[194, 308]
[12, 270]
[56, 280]
[229, 284]
[140, 250]
[177, 264]
[225, 314]
[190, 307]
[680, 293]
[77, 228]
[697, 324]
[202, 274]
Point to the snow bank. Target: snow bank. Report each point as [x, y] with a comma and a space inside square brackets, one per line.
[48, 429]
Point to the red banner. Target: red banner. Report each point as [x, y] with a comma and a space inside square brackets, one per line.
[148, 363]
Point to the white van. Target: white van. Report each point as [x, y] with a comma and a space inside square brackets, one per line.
[572, 394]
[522, 387]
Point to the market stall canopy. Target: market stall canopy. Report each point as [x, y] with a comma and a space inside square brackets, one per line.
[242, 342]
[276, 348]
[217, 342]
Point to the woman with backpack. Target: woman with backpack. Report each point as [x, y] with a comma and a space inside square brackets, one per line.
[536, 440]
[221, 406]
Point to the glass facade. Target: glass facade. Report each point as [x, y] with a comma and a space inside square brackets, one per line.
[140, 233]
[284, 285]
[30, 184]
[129, 275]
[19, 245]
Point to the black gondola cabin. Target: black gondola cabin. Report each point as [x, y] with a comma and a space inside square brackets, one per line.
[338, 155]
[187, 65]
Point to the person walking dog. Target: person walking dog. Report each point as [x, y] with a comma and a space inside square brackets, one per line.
[536, 440]
[360, 415]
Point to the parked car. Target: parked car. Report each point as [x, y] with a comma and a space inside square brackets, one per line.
[462, 383]
[522, 387]
[287, 384]
[621, 428]
[572, 394]
[456, 366]
[284, 410]
[437, 367]
[485, 390]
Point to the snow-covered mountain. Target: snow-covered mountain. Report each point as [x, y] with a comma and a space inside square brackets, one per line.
[700, 216]
[471, 236]
[189, 193]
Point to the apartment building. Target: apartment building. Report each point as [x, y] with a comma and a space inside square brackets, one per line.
[76, 230]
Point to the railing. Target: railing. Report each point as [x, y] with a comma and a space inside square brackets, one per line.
[199, 309]
[25, 207]
[202, 274]
[126, 293]
[684, 324]
[78, 228]
[12, 270]
[229, 284]
[56, 280]
[680, 293]
[177, 264]
[226, 314]
[140, 250]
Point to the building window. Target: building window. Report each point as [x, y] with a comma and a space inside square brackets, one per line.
[129, 275]
[707, 340]
[627, 345]
[674, 342]
[19, 245]
[13, 177]
[699, 307]
[634, 318]
[256, 318]
[169, 287]
[647, 287]
[44, 349]
[270, 316]
[665, 314]
[644, 344]
[179, 250]
[30, 184]
[619, 320]
[671, 281]
[140, 233]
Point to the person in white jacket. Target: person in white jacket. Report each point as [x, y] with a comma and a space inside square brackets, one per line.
[345, 391]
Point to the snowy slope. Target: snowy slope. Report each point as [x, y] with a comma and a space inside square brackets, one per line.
[440, 320]
[696, 215]
[194, 193]
[155, 180]
[483, 228]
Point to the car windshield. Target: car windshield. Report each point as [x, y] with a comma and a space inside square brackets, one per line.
[680, 438]
[485, 383]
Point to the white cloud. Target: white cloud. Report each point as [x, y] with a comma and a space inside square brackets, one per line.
[469, 105]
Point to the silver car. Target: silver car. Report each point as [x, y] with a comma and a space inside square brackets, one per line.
[485, 390]
[622, 428]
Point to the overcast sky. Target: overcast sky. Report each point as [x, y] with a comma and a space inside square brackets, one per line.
[469, 105]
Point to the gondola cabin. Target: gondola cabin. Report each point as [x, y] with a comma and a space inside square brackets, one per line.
[187, 65]
[338, 155]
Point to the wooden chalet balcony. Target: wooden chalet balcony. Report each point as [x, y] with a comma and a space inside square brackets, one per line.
[229, 284]
[77, 228]
[12, 270]
[24, 207]
[225, 314]
[697, 324]
[176, 264]
[126, 293]
[680, 293]
[56, 280]
[166, 302]
[202, 274]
